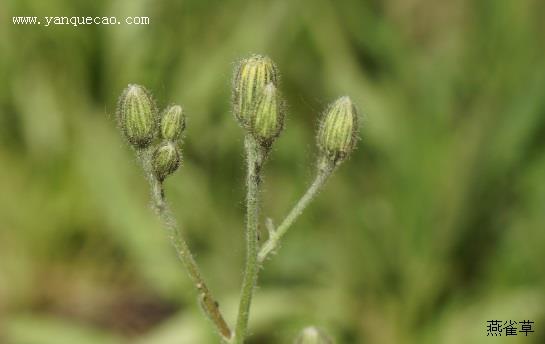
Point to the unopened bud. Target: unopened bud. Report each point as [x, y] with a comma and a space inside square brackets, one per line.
[268, 118]
[172, 123]
[251, 76]
[338, 131]
[312, 335]
[165, 160]
[137, 116]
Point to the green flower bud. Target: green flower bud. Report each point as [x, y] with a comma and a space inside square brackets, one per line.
[312, 335]
[268, 118]
[251, 76]
[172, 123]
[165, 160]
[137, 116]
[338, 131]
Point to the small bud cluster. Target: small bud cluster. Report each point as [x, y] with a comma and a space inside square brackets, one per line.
[258, 106]
[259, 109]
[144, 128]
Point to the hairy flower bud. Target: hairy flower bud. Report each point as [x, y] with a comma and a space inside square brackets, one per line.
[172, 123]
[338, 131]
[268, 118]
[312, 335]
[251, 76]
[137, 116]
[165, 160]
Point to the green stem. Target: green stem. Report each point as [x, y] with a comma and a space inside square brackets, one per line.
[207, 301]
[255, 157]
[276, 235]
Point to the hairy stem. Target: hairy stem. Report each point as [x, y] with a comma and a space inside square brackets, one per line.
[255, 158]
[207, 301]
[276, 235]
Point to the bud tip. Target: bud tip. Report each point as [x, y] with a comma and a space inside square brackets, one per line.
[267, 120]
[165, 160]
[338, 131]
[172, 123]
[136, 115]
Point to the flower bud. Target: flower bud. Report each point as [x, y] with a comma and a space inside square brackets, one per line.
[172, 123]
[137, 116]
[268, 118]
[165, 160]
[312, 335]
[338, 131]
[251, 76]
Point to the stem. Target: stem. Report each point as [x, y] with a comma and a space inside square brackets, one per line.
[207, 301]
[274, 239]
[255, 157]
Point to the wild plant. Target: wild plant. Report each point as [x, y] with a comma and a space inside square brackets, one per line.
[259, 109]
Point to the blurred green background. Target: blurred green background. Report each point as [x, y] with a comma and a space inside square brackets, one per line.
[433, 227]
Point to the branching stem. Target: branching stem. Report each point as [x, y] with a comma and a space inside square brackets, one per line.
[276, 235]
[255, 157]
[207, 301]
